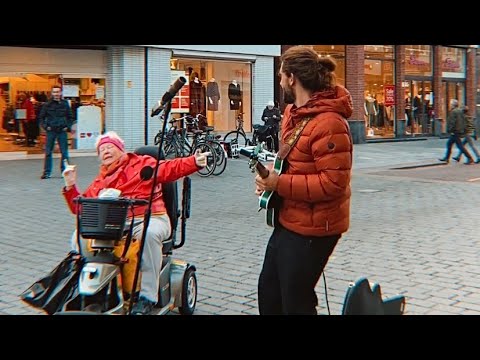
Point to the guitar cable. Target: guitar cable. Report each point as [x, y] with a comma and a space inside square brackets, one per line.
[326, 293]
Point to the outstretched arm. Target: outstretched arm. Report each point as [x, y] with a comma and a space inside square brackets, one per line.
[174, 169]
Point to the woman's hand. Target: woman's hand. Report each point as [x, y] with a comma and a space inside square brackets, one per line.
[201, 158]
[70, 176]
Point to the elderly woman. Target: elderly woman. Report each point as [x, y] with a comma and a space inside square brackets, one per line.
[121, 170]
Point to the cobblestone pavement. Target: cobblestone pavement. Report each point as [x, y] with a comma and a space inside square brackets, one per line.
[414, 231]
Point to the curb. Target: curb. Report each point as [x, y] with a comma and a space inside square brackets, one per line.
[407, 167]
[24, 155]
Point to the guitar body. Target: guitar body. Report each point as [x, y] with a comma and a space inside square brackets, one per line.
[269, 200]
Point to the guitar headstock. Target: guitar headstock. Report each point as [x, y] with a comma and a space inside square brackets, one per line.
[254, 157]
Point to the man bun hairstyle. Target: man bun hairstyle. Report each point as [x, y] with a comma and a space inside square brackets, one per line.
[315, 73]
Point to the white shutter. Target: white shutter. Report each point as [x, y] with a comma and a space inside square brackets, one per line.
[158, 83]
[263, 78]
[125, 94]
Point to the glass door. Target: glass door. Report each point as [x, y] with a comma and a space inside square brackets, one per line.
[451, 90]
[419, 107]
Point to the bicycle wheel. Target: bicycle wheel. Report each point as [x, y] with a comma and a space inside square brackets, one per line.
[221, 162]
[235, 136]
[211, 159]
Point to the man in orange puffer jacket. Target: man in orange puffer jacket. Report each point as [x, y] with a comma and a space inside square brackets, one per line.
[315, 188]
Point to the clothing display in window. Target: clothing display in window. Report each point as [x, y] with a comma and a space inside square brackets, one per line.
[371, 110]
[213, 95]
[197, 97]
[234, 95]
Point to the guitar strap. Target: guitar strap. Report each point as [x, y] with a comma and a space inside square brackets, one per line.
[293, 138]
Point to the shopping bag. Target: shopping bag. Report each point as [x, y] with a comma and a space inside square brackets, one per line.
[51, 292]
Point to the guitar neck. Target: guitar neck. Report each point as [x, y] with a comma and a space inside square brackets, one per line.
[261, 170]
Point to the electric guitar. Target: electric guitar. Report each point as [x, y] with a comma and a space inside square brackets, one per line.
[269, 200]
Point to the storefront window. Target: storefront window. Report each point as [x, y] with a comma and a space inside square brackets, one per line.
[453, 62]
[220, 90]
[418, 60]
[379, 105]
[86, 97]
[337, 52]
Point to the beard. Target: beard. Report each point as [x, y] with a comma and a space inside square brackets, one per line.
[288, 95]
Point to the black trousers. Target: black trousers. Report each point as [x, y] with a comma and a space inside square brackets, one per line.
[274, 139]
[292, 266]
[30, 132]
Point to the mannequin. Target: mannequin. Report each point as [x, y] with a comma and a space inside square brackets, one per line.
[417, 109]
[408, 109]
[234, 95]
[371, 110]
[213, 95]
[197, 96]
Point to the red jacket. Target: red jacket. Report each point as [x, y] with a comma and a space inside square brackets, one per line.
[27, 105]
[315, 188]
[127, 179]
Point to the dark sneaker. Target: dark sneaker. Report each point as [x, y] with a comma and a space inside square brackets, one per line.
[444, 160]
[45, 176]
[143, 307]
[456, 159]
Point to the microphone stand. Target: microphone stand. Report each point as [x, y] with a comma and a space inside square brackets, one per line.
[148, 211]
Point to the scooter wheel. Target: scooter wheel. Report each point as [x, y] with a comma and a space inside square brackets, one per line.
[189, 293]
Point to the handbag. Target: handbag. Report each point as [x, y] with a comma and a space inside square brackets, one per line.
[53, 291]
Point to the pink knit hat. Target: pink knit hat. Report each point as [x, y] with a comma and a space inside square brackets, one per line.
[111, 140]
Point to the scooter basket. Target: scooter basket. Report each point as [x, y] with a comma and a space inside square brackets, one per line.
[103, 219]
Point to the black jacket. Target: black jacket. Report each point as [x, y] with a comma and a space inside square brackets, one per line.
[267, 113]
[57, 115]
[212, 89]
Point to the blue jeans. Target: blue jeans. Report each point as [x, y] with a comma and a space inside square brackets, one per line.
[455, 139]
[468, 140]
[62, 139]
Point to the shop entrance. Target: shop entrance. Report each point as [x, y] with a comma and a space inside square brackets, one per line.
[84, 94]
[419, 111]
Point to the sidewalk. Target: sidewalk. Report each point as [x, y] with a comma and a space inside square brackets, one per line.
[404, 232]
[365, 155]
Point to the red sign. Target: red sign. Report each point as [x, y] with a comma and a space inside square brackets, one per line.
[389, 95]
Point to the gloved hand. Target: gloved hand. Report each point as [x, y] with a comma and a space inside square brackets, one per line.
[201, 158]
[70, 175]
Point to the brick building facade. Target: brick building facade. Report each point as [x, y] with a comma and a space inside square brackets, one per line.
[402, 90]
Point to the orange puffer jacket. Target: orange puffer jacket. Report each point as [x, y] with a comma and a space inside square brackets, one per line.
[315, 188]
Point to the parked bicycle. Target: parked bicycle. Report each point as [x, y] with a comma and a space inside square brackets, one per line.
[176, 144]
[200, 132]
[238, 136]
